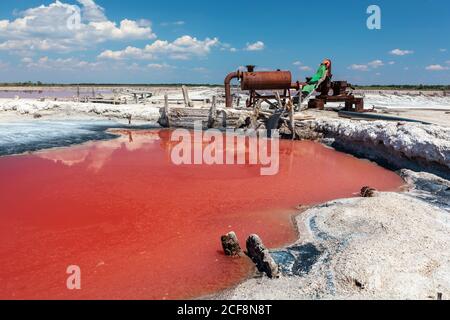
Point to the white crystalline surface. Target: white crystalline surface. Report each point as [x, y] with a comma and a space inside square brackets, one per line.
[412, 140]
[29, 106]
[391, 101]
[19, 137]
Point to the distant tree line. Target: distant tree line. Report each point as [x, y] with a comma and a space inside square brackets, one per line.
[420, 87]
[41, 84]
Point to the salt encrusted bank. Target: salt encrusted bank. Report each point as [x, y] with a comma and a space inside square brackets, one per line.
[391, 246]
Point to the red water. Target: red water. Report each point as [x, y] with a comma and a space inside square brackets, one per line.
[140, 227]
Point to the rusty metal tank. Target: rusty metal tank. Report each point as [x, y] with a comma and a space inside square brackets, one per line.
[261, 80]
[266, 80]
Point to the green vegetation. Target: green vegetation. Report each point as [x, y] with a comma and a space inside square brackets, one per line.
[419, 87]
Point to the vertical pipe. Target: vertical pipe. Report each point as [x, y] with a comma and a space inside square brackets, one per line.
[187, 101]
[227, 82]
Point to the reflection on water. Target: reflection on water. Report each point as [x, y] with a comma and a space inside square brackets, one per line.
[141, 227]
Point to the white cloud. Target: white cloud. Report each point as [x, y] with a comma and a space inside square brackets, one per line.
[359, 67]
[127, 53]
[91, 11]
[200, 70]
[443, 50]
[399, 52]
[56, 27]
[183, 48]
[160, 66]
[174, 23]
[67, 64]
[257, 46]
[301, 66]
[436, 67]
[227, 47]
[391, 63]
[26, 60]
[375, 64]
[35, 45]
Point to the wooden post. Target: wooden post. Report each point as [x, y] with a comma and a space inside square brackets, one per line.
[280, 104]
[300, 98]
[212, 113]
[261, 257]
[255, 115]
[291, 118]
[187, 101]
[230, 245]
[166, 109]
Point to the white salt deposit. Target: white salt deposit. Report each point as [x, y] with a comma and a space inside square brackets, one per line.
[412, 140]
[390, 101]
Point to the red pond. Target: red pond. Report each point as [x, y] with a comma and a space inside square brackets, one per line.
[140, 227]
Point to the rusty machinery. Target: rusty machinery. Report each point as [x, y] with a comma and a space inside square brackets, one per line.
[336, 91]
[257, 82]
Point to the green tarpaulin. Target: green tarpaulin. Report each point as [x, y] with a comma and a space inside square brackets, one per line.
[315, 81]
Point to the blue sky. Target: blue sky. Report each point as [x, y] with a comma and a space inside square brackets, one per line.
[201, 41]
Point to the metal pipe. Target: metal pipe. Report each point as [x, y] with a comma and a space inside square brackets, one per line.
[228, 98]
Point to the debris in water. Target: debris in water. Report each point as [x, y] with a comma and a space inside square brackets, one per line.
[368, 192]
[230, 244]
[261, 257]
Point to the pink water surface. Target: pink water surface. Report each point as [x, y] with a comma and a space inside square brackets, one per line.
[140, 227]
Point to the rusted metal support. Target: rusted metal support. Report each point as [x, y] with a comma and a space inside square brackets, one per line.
[262, 80]
[254, 81]
[228, 98]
